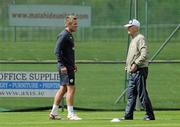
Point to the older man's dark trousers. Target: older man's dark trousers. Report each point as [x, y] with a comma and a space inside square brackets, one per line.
[137, 87]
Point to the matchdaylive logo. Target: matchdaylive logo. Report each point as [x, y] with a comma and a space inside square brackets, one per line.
[28, 84]
[45, 15]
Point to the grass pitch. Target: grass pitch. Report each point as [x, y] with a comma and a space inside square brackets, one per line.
[90, 119]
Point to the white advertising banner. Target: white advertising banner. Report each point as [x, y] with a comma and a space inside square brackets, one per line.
[47, 15]
[28, 84]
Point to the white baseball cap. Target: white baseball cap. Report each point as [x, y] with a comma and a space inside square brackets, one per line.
[133, 22]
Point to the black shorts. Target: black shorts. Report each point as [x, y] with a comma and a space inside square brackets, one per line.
[66, 78]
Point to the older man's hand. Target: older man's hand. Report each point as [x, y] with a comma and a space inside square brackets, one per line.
[133, 68]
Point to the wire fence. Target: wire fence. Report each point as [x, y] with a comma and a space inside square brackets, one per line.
[157, 33]
[106, 25]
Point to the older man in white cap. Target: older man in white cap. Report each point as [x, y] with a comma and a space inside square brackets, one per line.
[137, 67]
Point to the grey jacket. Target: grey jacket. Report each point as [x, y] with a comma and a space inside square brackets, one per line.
[137, 53]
